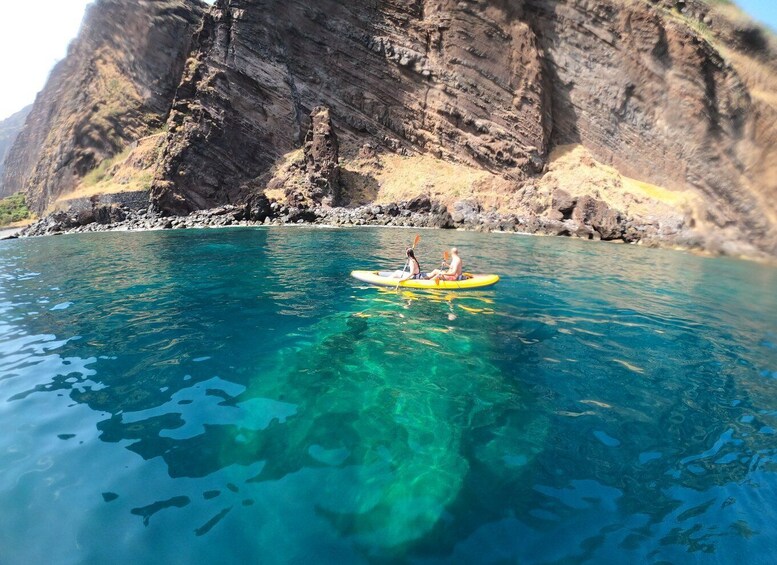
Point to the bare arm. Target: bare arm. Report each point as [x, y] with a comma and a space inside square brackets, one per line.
[455, 268]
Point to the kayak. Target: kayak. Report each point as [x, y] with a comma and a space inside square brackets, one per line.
[384, 278]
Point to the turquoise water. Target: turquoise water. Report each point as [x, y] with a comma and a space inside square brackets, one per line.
[232, 396]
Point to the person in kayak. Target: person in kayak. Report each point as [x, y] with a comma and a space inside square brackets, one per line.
[412, 269]
[454, 272]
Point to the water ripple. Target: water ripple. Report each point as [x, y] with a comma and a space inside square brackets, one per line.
[223, 396]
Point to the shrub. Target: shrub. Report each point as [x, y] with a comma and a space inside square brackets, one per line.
[13, 209]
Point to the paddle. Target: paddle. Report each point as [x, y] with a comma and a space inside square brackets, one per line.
[416, 241]
[446, 259]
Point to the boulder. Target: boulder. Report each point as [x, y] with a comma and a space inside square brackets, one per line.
[561, 205]
[59, 221]
[300, 215]
[420, 203]
[85, 217]
[465, 211]
[440, 220]
[105, 214]
[259, 208]
[508, 223]
[552, 227]
[599, 216]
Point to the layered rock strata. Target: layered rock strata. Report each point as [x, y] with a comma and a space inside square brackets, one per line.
[643, 90]
[677, 94]
[462, 81]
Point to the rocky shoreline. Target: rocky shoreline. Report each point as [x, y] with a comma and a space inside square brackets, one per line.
[514, 120]
[583, 218]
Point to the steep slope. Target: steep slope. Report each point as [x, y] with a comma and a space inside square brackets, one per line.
[9, 130]
[642, 84]
[115, 85]
[462, 81]
[658, 114]
[641, 88]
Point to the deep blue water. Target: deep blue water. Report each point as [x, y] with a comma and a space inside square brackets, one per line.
[232, 396]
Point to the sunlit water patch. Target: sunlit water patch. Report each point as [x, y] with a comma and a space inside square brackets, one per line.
[232, 396]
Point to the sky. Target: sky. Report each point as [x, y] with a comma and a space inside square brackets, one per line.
[765, 11]
[34, 36]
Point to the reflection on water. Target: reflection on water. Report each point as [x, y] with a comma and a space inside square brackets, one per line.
[230, 396]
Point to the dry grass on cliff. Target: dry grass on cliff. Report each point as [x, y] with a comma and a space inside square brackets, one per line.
[114, 96]
[130, 171]
[392, 178]
[759, 78]
[389, 177]
[573, 168]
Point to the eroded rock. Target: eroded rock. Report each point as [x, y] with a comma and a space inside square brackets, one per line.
[599, 216]
[481, 84]
[322, 154]
[561, 205]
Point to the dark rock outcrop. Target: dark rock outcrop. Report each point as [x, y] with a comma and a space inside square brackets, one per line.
[9, 131]
[116, 85]
[466, 211]
[488, 85]
[258, 208]
[322, 158]
[462, 81]
[585, 217]
[102, 217]
[561, 205]
[644, 91]
[598, 215]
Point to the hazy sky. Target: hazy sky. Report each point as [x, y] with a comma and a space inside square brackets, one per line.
[34, 36]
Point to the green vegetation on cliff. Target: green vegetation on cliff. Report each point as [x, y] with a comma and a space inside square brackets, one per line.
[13, 209]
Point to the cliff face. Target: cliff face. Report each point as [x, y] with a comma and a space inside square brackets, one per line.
[674, 93]
[9, 130]
[115, 85]
[643, 90]
[461, 81]
[487, 83]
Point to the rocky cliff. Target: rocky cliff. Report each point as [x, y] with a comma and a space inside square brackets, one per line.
[461, 81]
[657, 115]
[9, 130]
[650, 89]
[644, 86]
[116, 85]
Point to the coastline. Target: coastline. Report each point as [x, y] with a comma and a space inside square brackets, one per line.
[420, 213]
[11, 232]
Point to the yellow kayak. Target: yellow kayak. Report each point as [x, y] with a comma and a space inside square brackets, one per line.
[384, 279]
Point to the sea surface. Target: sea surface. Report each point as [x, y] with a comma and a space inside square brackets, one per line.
[233, 396]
